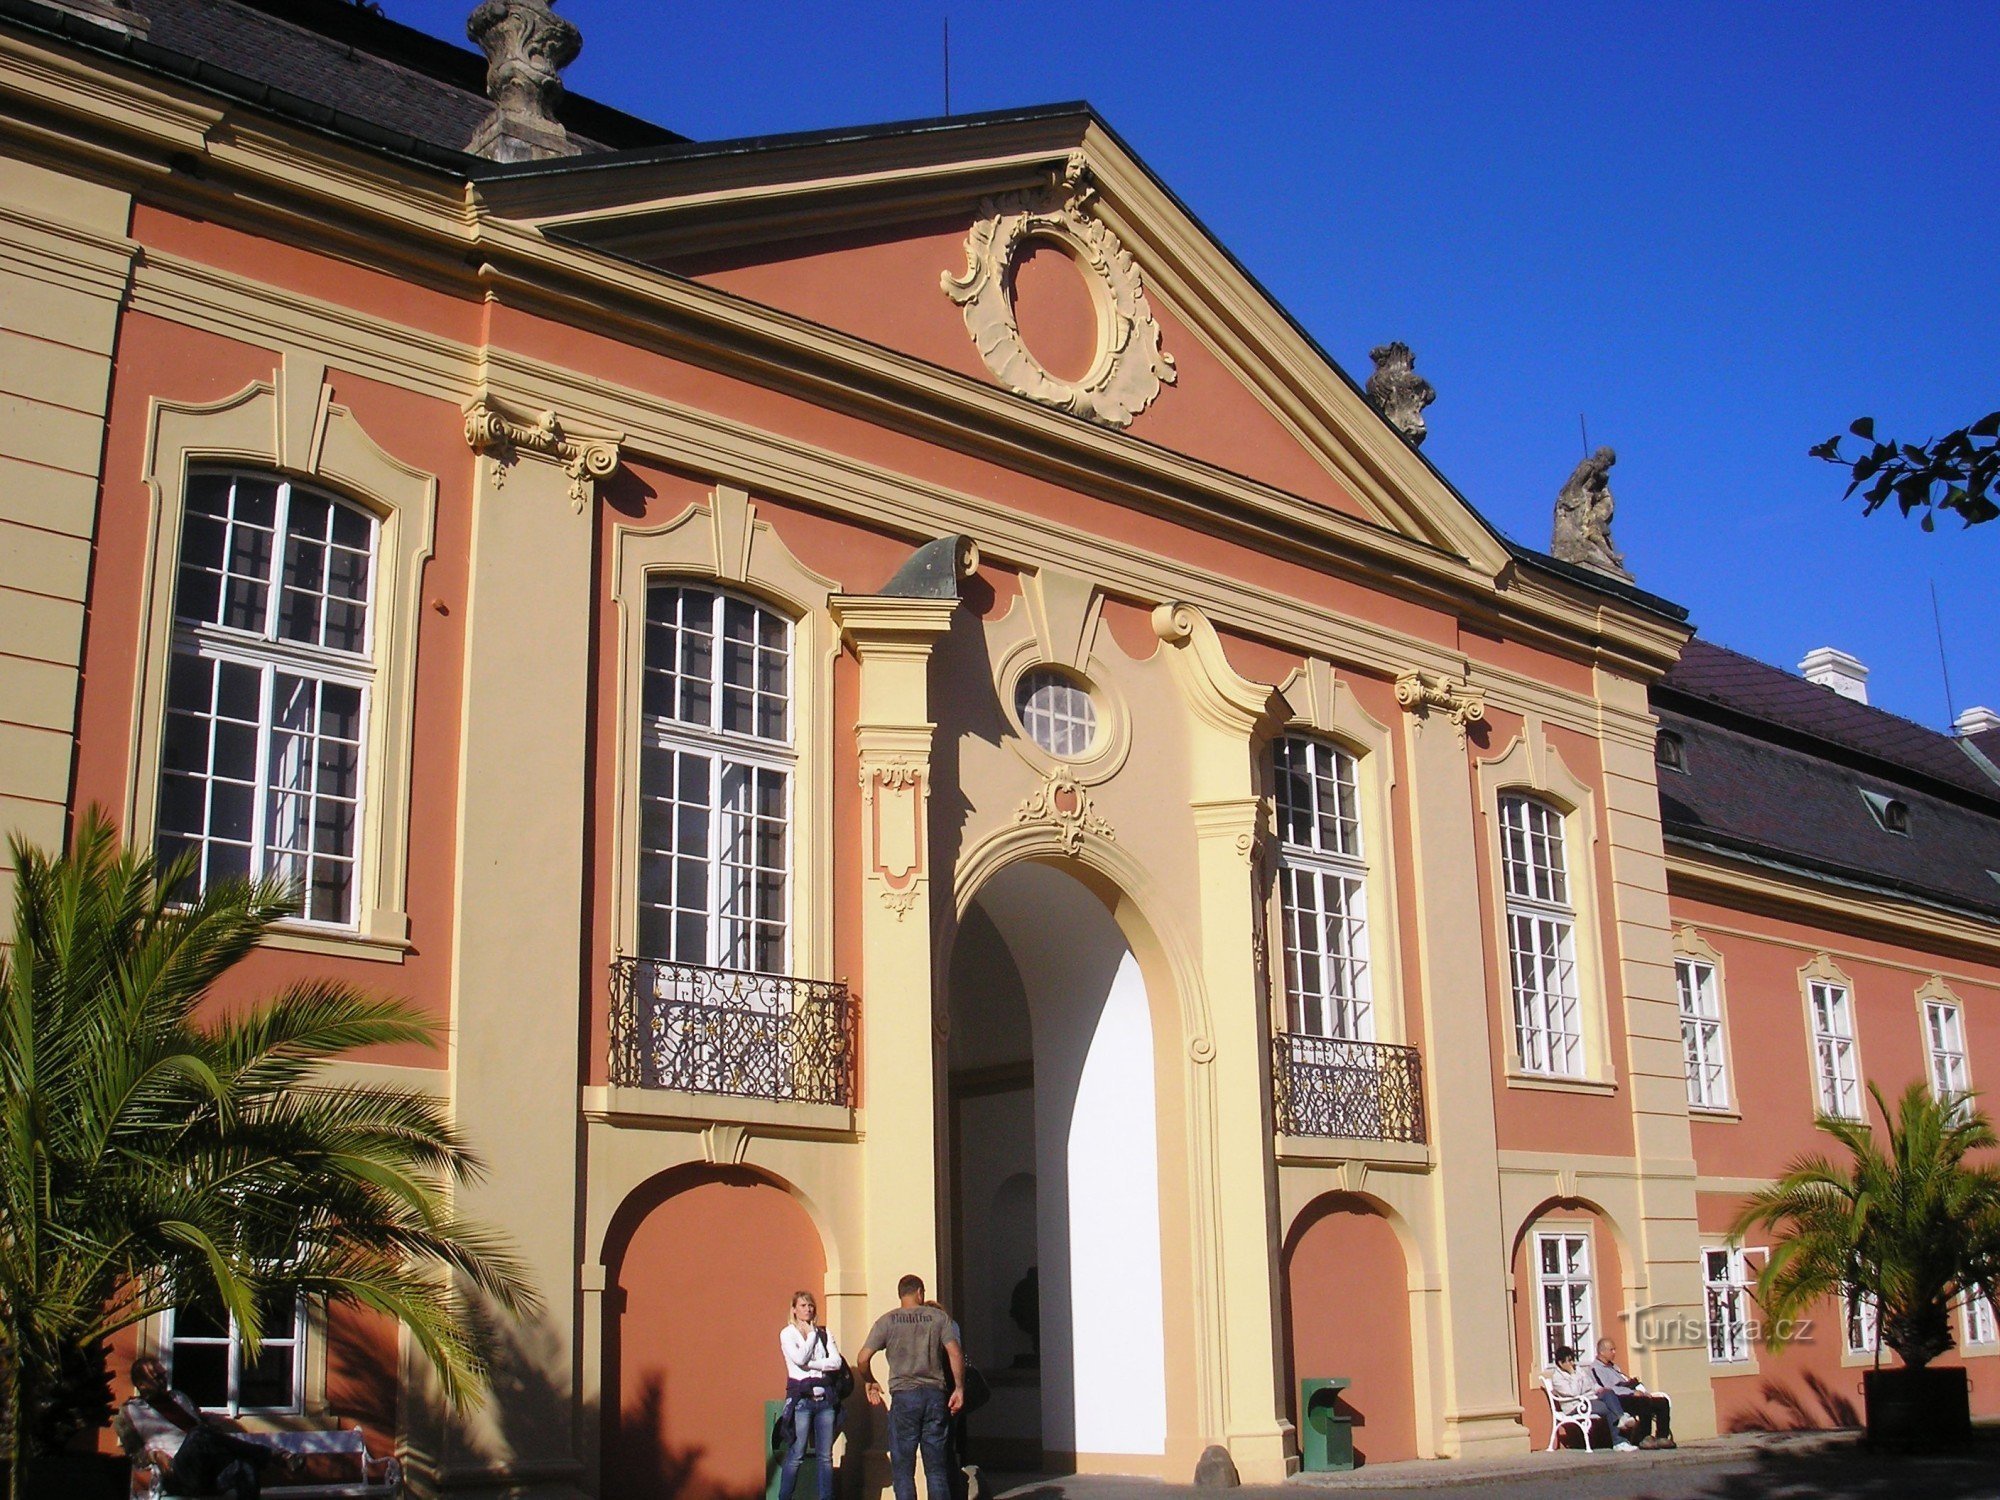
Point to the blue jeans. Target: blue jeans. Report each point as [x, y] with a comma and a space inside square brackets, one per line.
[917, 1417]
[814, 1420]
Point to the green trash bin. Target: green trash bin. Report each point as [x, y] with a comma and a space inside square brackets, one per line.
[1326, 1435]
[774, 1460]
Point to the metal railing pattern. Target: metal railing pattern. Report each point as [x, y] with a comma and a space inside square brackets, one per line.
[727, 1031]
[1366, 1091]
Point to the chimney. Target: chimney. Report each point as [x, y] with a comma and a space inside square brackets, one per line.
[1976, 721]
[1837, 670]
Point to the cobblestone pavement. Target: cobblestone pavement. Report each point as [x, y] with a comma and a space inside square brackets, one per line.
[1765, 1467]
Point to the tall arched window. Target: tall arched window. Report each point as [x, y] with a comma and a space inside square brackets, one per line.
[715, 781]
[1541, 938]
[1322, 890]
[267, 694]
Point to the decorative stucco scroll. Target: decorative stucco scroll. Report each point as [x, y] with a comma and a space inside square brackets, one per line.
[1062, 802]
[1130, 365]
[489, 430]
[1423, 692]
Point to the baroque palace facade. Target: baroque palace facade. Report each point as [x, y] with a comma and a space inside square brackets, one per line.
[901, 716]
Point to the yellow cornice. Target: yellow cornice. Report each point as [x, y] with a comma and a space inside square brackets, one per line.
[260, 173]
[1748, 887]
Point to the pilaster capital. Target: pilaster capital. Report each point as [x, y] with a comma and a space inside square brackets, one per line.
[1236, 822]
[585, 458]
[891, 624]
[1221, 697]
[1456, 699]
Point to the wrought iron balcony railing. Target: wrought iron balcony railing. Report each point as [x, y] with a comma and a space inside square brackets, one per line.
[725, 1031]
[1367, 1091]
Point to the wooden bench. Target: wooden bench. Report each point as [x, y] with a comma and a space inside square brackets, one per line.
[372, 1478]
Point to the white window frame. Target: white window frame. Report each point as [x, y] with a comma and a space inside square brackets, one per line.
[1699, 985]
[232, 1341]
[1836, 1054]
[1944, 1051]
[268, 653]
[1541, 938]
[1726, 1281]
[1578, 1289]
[1860, 1324]
[1323, 883]
[1058, 712]
[1976, 1318]
[723, 750]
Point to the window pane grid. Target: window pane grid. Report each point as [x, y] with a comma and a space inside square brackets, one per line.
[715, 779]
[205, 1357]
[1326, 953]
[1979, 1320]
[1057, 712]
[267, 690]
[1701, 1034]
[1548, 1023]
[1318, 797]
[1859, 1326]
[1532, 857]
[1725, 1281]
[1833, 1050]
[1945, 1034]
[1562, 1278]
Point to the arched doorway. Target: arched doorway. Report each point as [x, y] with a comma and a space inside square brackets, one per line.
[1054, 1161]
[701, 1264]
[1347, 1315]
[1568, 1289]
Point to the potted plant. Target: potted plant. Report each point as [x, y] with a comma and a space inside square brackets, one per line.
[1905, 1220]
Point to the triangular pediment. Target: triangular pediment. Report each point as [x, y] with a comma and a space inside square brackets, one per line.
[925, 240]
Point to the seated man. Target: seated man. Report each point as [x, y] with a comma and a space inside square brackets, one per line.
[1646, 1420]
[208, 1459]
[1568, 1384]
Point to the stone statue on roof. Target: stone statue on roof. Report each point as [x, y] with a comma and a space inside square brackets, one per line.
[1398, 391]
[1583, 517]
[527, 45]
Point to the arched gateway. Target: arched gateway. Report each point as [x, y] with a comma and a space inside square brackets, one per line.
[1053, 1113]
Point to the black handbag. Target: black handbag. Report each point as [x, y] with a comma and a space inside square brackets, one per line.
[841, 1382]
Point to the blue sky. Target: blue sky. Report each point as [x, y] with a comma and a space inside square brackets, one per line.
[1717, 231]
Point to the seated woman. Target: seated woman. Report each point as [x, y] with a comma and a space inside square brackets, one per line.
[1570, 1385]
[208, 1458]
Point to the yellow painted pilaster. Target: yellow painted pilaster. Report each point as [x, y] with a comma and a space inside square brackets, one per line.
[1668, 1278]
[892, 637]
[65, 265]
[519, 962]
[1235, 1192]
[1478, 1411]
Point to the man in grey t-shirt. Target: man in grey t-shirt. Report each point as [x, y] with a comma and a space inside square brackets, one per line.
[920, 1343]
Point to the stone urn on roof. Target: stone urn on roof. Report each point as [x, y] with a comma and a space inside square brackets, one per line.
[527, 45]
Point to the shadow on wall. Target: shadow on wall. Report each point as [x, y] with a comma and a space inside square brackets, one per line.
[645, 1464]
[1809, 1405]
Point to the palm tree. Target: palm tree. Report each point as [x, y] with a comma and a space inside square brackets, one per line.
[158, 1148]
[1906, 1220]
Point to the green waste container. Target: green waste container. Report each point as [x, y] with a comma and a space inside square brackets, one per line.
[774, 1460]
[1326, 1435]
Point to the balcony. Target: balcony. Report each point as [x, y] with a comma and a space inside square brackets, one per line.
[686, 1029]
[1357, 1091]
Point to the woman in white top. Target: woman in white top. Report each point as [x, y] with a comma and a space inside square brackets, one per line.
[812, 1410]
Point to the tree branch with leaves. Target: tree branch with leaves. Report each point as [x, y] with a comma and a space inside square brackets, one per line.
[1958, 473]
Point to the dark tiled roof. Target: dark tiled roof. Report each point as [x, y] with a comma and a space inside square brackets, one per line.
[1746, 793]
[1771, 702]
[339, 57]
